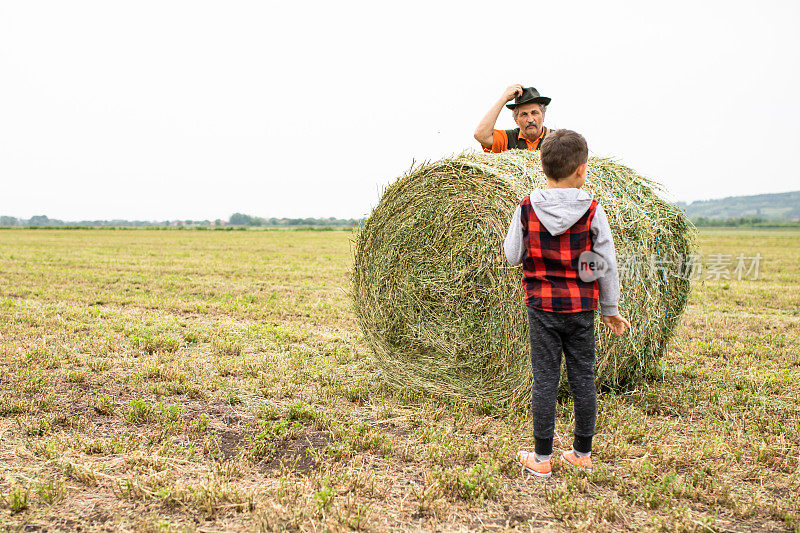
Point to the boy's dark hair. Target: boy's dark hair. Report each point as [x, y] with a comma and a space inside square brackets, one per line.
[563, 151]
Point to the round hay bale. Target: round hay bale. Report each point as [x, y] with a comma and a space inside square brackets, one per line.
[444, 313]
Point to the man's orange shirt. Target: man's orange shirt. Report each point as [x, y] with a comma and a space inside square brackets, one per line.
[500, 141]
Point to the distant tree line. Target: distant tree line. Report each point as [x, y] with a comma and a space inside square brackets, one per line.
[743, 221]
[240, 219]
[236, 219]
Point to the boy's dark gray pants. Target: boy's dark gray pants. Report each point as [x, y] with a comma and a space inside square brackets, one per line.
[574, 334]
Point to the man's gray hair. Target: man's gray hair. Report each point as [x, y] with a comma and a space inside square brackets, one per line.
[515, 111]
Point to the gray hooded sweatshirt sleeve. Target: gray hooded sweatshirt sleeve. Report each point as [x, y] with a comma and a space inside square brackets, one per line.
[558, 210]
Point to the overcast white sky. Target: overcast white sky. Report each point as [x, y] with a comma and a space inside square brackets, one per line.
[171, 109]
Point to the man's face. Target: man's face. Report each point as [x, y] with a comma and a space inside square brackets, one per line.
[530, 120]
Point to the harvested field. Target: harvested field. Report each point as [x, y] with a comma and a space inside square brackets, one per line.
[209, 380]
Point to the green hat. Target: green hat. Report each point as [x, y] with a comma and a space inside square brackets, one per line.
[529, 96]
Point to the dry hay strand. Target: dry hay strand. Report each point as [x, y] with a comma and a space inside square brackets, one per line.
[444, 313]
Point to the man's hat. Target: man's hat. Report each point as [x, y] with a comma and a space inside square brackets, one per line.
[529, 96]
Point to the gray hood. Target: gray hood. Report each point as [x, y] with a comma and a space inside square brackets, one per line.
[559, 209]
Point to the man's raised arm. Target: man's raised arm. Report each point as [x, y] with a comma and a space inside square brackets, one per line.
[483, 133]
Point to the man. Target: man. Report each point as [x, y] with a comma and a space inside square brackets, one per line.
[528, 108]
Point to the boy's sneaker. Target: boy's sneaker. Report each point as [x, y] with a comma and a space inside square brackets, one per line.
[528, 462]
[581, 463]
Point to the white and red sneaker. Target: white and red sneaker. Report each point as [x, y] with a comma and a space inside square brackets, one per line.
[581, 463]
[529, 463]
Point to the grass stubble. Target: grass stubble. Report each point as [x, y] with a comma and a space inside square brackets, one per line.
[171, 381]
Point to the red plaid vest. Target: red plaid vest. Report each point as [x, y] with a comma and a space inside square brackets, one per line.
[550, 265]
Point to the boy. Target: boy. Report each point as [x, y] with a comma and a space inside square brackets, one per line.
[561, 237]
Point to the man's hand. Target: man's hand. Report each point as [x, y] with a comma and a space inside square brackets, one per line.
[483, 133]
[617, 323]
[512, 92]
